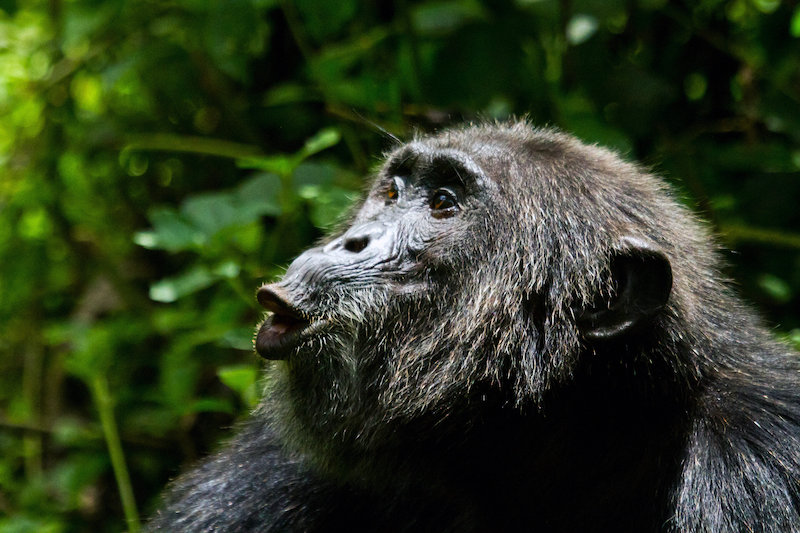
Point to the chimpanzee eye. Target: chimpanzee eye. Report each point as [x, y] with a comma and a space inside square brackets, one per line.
[443, 200]
[394, 190]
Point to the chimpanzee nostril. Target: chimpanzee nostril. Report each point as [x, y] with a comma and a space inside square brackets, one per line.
[360, 237]
[356, 244]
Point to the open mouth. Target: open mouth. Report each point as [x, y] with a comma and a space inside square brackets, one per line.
[280, 332]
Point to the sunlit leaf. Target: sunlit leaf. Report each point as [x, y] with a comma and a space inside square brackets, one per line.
[242, 379]
[284, 165]
[227, 269]
[193, 280]
[322, 140]
[794, 25]
[775, 287]
[281, 165]
[239, 339]
[171, 232]
[581, 28]
[210, 405]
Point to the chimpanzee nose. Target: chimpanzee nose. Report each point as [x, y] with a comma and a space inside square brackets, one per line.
[358, 238]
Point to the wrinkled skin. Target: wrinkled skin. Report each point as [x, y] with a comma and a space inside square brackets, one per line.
[413, 228]
[515, 331]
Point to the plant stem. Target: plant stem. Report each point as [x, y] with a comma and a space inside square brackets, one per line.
[104, 403]
[32, 389]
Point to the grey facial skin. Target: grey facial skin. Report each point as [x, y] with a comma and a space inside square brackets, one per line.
[515, 332]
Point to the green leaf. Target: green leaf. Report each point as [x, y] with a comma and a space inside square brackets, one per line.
[767, 6]
[211, 212]
[233, 33]
[227, 269]
[210, 405]
[259, 195]
[242, 379]
[281, 165]
[794, 338]
[92, 353]
[794, 25]
[580, 29]
[695, 86]
[324, 18]
[775, 287]
[171, 232]
[327, 204]
[170, 289]
[323, 139]
[289, 93]
[238, 339]
[75, 473]
[580, 118]
[313, 174]
[433, 18]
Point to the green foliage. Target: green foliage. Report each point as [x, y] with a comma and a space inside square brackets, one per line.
[158, 161]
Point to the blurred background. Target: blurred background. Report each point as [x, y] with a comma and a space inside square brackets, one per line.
[160, 159]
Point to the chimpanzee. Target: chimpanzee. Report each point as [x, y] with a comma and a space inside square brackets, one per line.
[515, 332]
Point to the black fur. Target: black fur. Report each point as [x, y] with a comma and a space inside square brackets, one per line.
[557, 353]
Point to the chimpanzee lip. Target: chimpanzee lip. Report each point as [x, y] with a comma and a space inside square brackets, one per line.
[282, 331]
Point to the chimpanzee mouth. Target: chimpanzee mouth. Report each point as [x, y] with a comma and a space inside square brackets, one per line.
[284, 329]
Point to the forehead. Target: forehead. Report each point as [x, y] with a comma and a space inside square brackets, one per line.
[420, 156]
[514, 155]
[469, 159]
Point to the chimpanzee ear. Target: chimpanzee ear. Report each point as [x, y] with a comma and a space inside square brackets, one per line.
[642, 279]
